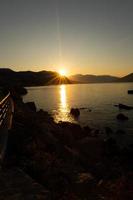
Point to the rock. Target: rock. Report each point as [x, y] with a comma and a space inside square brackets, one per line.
[96, 132]
[84, 177]
[120, 132]
[122, 106]
[17, 91]
[91, 149]
[130, 91]
[121, 117]
[44, 116]
[15, 184]
[31, 106]
[108, 130]
[65, 157]
[75, 112]
[118, 186]
[87, 131]
[111, 147]
[20, 90]
[71, 132]
[82, 108]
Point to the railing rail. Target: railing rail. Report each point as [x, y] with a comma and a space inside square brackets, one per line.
[3, 100]
[6, 111]
[6, 115]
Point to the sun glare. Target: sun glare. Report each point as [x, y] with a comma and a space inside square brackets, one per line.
[62, 72]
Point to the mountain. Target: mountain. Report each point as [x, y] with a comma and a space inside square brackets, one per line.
[9, 77]
[100, 79]
[93, 78]
[128, 78]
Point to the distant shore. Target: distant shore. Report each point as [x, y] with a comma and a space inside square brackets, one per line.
[12, 78]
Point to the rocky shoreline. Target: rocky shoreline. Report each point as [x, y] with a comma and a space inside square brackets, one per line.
[71, 162]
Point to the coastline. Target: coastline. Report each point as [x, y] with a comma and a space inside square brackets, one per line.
[69, 161]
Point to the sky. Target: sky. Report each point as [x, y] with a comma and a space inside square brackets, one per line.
[81, 36]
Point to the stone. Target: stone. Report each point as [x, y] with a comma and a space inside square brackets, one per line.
[122, 117]
[91, 148]
[120, 132]
[31, 106]
[130, 91]
[123, 106]
[75, 112]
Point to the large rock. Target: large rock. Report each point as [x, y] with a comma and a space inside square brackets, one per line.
[122, 117]
[110, 147]
[75, 112]
[92, 149]
[123, 106]
[20, 90]
[31, 106]
[70, 132]
[16, 185]
[130, 91]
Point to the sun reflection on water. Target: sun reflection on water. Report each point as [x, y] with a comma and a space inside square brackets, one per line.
[63, 111]
[63, 100]
[63, 106]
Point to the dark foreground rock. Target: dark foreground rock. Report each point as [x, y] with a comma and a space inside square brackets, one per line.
[16, 185]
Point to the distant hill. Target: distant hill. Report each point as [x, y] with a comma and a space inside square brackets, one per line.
[9, 77]
[128, 78]
[93, 78]
[100, 79]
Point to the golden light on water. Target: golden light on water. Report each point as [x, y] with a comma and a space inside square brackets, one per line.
[63, 102]
[63, 113]
[63, 106]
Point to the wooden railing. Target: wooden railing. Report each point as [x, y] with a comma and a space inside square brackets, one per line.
[6, 116]
[6, 111]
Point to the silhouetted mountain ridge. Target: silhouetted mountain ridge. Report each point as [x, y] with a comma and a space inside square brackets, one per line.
[128, 78]
[93, 78]
[88, 78]
[29, 78]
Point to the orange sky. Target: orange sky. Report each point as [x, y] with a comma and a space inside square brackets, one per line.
[81, 36]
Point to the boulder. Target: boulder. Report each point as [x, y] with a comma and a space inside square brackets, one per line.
[31, 106]
[110, 147]
[75, 112]
[130, 91]
[71, 132]
[108, 131]
[91, 148]
[87, 131]
[20, 90]
[121, 117]
[120, 132]
[123, 106]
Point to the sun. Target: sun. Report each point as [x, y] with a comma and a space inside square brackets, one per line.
[62, 72]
